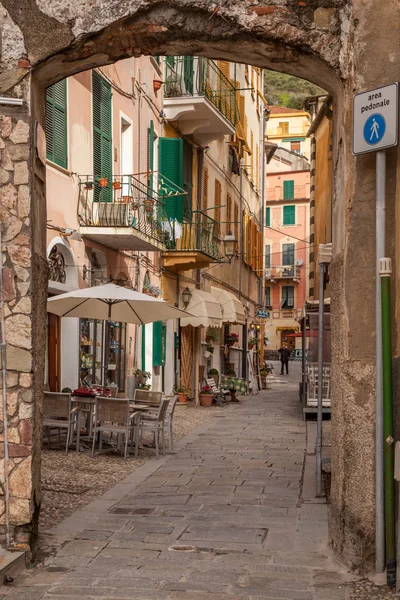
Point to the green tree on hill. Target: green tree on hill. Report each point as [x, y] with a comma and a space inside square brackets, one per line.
[285, 90]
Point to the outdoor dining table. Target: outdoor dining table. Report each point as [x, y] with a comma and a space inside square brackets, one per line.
[234, 384]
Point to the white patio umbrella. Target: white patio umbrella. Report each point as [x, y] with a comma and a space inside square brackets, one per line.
[112, 302]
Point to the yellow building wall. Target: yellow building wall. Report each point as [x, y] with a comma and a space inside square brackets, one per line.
[323, 194]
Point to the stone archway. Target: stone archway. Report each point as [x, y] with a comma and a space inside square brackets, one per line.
[341, 45]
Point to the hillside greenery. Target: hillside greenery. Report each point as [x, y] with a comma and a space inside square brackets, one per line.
[285, 90]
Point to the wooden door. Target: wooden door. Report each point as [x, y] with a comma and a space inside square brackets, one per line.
[54, 352]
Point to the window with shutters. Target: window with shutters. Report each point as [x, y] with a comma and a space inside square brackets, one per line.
[56, 123]
[217, 203]
[268, 256]
[268, 217]
[257, 175]
[170, 164]
[228, 213]
[252, 156]
[259, 253]
[224, 66]
[252, 84]
[205, 189]
[268, 296]
[288, 189]
[287, 296]
[283, 127]
[236, 221]
[287, 254]
[102, 138]
[295, 147]
[150, 154]
[289, 215]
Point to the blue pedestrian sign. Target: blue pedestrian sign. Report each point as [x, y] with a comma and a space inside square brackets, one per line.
[374, 129]
[375, 119]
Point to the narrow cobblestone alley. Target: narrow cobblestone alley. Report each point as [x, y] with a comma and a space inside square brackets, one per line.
[223, 517]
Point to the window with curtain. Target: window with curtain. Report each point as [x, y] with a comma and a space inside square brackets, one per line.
[288, 254]
[56, 123]
[268, 256]
[268, 296]
[287, 296]
[289, 215]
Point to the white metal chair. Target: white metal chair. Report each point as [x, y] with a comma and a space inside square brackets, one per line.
[59, 414]
[170, 418]
[112, 415]
[219, 395]
[154, 422]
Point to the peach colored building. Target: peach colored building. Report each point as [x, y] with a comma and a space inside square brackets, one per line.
[286, 252]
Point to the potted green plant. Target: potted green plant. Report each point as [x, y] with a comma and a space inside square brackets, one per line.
[230, 372]
[103, 182]
[210, 349]
[212, 334]
[206, 396]
[182, 393]
[214, 374]
[232, 339]
[252, 342]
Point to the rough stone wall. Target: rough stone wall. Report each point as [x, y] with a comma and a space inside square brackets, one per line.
[344, 46]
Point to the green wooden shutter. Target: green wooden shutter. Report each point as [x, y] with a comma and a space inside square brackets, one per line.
[268, 217]
[159, 343]
[188, 74]
[289, 215]
[288, 189]
[150, 155]
[171, 166]
[56, 123]
[102, 137]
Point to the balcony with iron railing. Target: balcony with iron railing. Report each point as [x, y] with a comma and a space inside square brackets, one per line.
[276, 193]
[193, 244]
[199, 96]
[128, 212]
[276, 273]
[288, 131]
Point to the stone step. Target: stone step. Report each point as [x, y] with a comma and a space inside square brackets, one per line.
[11, 564]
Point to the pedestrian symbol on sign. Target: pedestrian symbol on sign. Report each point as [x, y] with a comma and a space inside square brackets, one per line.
[374, 129]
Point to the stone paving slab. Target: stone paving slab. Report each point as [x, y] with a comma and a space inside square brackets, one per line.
[220, 518]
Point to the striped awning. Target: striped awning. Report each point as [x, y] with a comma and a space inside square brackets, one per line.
[205, 309]
[231, 307]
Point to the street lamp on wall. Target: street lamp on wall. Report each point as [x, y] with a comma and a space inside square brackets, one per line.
[186, 297]
[230, 246]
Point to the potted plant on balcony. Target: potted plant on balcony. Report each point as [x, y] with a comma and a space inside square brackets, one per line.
[88, 185]
[149, 205]
[206, 396]
[157, 83]
[232, 339]
[103, 182]
[117, 185]
[182, 393]
[212, 334]
[214, 374]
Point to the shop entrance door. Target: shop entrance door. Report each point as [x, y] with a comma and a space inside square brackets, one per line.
[54, 352]
[289, 341]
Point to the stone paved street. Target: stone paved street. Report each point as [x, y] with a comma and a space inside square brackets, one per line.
[225, 516]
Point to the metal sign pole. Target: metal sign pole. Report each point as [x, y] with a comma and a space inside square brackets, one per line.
[379, 442]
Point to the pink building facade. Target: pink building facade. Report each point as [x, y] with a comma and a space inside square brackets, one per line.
[287, 221]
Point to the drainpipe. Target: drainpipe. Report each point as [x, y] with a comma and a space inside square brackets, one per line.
[385, 271]
[4, 390]
[379, 433]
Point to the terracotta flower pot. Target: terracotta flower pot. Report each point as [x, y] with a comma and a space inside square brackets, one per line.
[157, 83]
[117, 185]
[88, 185]
[206, 399]
[182, 397]
[103, 182]
[148, 205]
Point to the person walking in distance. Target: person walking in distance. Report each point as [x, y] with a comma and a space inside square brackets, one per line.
[285, 354]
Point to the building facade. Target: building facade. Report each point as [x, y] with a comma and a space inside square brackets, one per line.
[288, 127]
[286, 247]
[151, 163]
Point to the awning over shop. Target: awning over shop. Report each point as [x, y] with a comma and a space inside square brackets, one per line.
[205, 309]
[232, 309]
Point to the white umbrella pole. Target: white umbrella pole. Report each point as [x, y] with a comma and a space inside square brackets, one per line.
[106, 350]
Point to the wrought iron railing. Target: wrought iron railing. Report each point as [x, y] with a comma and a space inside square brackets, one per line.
[135, 201]
[188, 76]
[200, 233]
[283, 272]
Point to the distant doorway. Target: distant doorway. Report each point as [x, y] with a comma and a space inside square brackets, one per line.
[289, 341]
